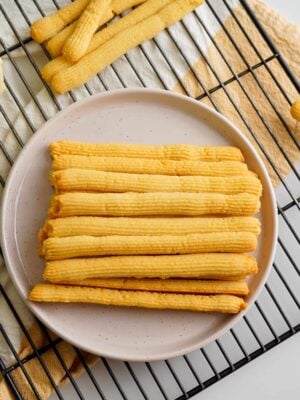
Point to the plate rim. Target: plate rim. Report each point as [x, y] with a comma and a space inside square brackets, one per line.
[216, 115]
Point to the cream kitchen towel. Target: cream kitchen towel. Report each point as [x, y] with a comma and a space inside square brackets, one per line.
[287, 38]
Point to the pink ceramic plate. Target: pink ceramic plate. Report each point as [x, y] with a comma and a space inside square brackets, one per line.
[132, 116]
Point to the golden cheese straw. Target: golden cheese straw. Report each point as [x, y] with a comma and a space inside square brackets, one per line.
[78, 294]
[148, 166]
[89, 246]
[55, 44]
[71, 180]
[122, 226]
[224, 266]
[143, 204]
[48, 26]
[77, 44]
[239, 288]
[97, 60]
[160, 152]
[142, 12]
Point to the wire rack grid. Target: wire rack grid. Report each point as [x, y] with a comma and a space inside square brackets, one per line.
[275, 315]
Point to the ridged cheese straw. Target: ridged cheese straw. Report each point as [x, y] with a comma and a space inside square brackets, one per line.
[239, 288]
[143, 204]
[122, 226]
[82, 180]
[97, 60]
[152, 167]
[110, 297]
[55, 44]
[48, 26]
[76, 45]
[159, 152]
[223, 266]
[90, 246]
[142, 12]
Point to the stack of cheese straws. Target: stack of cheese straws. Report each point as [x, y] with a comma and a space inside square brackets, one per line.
[81, 43]
[164, 227]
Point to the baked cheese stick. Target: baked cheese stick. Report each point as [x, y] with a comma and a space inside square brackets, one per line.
[97, 60]
[77, 44]
[159, 152]
[152, 167]
[48, 26]
[72, 180]
[143, 204]
[223, 266]
[239, 288]
[122, 226]
[90, 246]
[142, 12]
[110, 297]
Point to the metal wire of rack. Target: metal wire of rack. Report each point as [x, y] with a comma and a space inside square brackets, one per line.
[270, 321]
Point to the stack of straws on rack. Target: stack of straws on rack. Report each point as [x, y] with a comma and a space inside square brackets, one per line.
[83, 45]
[164, 227]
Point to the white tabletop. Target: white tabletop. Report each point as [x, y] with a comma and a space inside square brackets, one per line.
[272, 376]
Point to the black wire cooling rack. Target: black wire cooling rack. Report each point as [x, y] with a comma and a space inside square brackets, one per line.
[275, 315]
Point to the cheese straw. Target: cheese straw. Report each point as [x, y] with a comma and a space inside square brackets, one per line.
[77, 44]
[239, 288]
[223, 266]
[122, 226]
[143, 204]
[159, 152]
[72, 180]
[90, 246]
[152, 167]
[110, 297]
